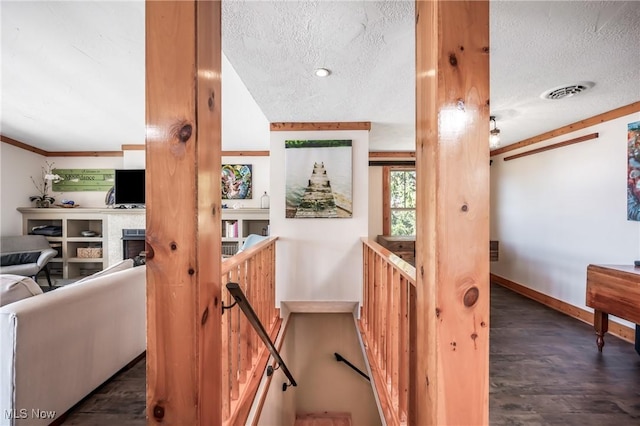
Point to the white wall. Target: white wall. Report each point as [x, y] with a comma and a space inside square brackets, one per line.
[319, 259]
[556, 212]
[15, 185]
[18, 165]
[244, 126]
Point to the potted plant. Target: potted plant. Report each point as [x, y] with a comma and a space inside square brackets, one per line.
[43, 199]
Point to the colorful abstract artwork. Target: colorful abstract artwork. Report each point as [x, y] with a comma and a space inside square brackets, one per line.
[318, 179]
[633, 171]
[236, 181]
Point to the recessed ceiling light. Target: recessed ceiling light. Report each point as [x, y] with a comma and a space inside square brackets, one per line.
[322, 72]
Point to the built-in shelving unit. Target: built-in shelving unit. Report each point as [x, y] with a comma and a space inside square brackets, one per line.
[238, 224]
[73, 259]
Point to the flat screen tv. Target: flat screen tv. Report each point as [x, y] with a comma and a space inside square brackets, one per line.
[129, 186]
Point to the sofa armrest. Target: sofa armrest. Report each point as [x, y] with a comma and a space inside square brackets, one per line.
[45, 256]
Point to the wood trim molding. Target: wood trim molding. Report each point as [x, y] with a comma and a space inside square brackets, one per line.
[386, 200]
[393, 163]
[44, 153]
[133, 147]
[245, 153]
[554, 146]
[338, 125]
[141, 147]
[392, 154]
[578, 125]
[22, 145]
[85, 154]
[619, 330]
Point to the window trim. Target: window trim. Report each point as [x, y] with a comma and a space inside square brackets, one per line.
[386, 196]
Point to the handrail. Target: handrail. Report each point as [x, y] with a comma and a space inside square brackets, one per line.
[245, 306]
[340, 358]
[405, 268]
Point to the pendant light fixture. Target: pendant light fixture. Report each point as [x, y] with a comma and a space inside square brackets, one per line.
[494, 134]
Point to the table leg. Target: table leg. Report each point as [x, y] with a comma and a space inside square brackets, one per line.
[601, 324]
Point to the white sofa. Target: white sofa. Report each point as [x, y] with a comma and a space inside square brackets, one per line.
[57, 347]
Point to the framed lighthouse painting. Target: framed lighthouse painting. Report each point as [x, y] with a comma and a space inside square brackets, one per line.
[318, 179]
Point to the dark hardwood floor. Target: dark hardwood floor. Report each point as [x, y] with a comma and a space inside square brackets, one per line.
[545, 369]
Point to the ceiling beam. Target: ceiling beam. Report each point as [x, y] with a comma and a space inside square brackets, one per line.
[338, 125]
[578, 125]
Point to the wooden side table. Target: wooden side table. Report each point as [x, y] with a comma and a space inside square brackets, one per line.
[404, 247]
[615, 290]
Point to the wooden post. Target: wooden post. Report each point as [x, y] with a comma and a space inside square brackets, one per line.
[183, 67]
[452, 263]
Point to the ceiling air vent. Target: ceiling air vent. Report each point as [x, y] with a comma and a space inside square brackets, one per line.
[567, 91]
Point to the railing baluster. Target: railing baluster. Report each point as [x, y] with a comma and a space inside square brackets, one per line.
[394, 359]
[388, 326]
[403, 352]
[226, 348]
[244, 358]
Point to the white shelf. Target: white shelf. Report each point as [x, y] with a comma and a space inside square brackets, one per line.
[72, 222]
[249, 221]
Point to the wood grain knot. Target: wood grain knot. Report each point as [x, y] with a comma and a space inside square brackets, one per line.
[150, 252]
[474, 336]
[438, 311]
[462, 48]
[173, 246]
[215, 301]
[210, 101]
[205, 315]
[453, 60]
[471, 297]
[483, 324]
[191, 271]
[485, 49]
[464, 208]
[185, 132]
[158, 412]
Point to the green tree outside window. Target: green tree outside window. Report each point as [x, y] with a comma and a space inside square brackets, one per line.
[403, 202]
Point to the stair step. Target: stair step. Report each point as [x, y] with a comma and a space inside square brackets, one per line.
[323, 419]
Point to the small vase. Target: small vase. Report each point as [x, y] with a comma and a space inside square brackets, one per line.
[43, 204]
[264, 201]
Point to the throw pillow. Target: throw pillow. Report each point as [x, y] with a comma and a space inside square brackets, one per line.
[17, 287]
[19, 258]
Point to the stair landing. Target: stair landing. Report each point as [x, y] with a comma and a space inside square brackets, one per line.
[323, 419]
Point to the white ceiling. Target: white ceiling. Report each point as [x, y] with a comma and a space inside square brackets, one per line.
[73, 72]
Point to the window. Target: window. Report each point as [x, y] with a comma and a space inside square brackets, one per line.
[399, 192]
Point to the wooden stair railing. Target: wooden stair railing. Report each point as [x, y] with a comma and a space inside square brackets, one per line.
[387, 325]
[244, 357]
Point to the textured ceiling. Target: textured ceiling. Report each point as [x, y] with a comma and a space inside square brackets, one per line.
[368, 46]
[73, 72]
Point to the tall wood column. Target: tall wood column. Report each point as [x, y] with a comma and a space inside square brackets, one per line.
[183, 94]
[452, 161]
